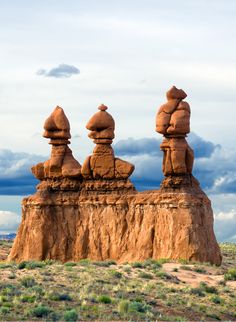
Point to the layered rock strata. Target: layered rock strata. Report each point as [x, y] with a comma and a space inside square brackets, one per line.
[98, 214]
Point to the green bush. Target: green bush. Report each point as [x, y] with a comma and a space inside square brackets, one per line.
[70, 264]
[31, 265]
[207, 288]
[71, 315]
[137, 265]
[84, 262]
[28, 298]
[60, 297]
[145, 275]
[4, 310]
[163, 275]
[152, 263]
[40, 311]
[197, 291]
[104, 263]
[135, 306]
[28, 281]
[216, 299]
[199, 269]
[115, 273]
[230, 275]
[104, 299]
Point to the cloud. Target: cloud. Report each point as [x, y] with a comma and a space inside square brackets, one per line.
[225, 225]
[9, 221]
[210, 163]
[61, 71]
[15, 174]
[132, 147]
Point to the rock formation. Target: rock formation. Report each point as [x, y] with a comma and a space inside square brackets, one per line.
[62, 164]
[102, 164]
[95, 212]
[172, 121]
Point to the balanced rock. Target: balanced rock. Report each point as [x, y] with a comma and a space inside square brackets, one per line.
[102, 164]
[173, 121]
[61, 164]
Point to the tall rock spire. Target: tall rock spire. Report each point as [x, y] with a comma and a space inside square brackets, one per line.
[173, 121]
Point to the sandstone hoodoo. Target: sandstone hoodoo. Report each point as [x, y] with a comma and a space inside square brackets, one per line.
[62, 164]
[95, 212]
[103, 164]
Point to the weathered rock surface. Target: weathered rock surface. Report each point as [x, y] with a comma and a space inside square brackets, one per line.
[102, 164]
[62, 163]
[95, 212]
[68, 226]
[173, 121]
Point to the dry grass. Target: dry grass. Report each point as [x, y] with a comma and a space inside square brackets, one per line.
[147, 291]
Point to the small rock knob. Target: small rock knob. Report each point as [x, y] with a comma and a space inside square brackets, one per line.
[102, 107]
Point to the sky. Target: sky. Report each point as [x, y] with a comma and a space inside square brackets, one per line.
[125, 54]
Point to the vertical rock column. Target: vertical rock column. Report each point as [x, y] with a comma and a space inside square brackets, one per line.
[173, 122]
[102, 165]
[188, 232]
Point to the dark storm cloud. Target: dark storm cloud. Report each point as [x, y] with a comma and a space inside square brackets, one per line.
[15, 174]
[61, 71]
[212, 167]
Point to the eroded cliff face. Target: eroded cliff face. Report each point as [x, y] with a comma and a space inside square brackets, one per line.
[69, 226]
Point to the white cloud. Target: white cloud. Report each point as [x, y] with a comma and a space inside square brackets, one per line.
[9, 221]
[225, 224]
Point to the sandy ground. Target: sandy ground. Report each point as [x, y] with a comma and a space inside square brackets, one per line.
[191, 278]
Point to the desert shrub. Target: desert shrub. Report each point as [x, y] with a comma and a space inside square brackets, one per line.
[163, 275]
[70, 264]
[71, 315]
[9, 289]
[199, 269]
[152, 263]
[123, 306]
[28, 281]
[22, 265]
[135, 306]
[104, 299]
[40, 311]
[137, 265]
[145, 275]
[5, 265]
[49, 261]
[230, 275]
[115, 273]
[4, 310]
[31, 265]
[197, 291]
[207, 288]
[28, 298]
[60, 297]
[104, 263]
[84, 262]
[216, 299]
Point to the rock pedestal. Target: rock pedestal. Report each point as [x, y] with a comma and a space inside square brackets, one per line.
[99, 215]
